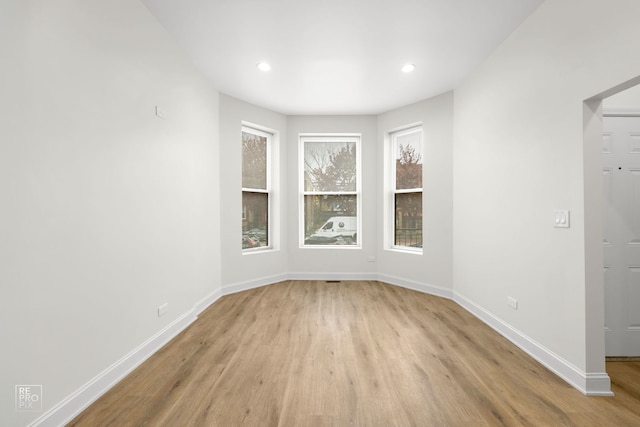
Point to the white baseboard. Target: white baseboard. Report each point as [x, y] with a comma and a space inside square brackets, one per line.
[598, 384]
[591, 384]
[270, 280]
[332, 276]
[207, 301]
[78, 401]
[252, 284]
[416, 286]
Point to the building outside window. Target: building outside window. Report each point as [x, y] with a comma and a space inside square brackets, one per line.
[256, 188]
[406, 176]
[330, 182]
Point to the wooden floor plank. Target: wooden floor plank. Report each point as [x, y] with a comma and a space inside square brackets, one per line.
[357, 353]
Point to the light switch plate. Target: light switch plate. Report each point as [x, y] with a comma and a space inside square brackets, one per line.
[561, 219]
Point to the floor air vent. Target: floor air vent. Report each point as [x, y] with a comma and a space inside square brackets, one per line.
[332, 281]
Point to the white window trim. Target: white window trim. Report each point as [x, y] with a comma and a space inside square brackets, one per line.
[272, 184]
[390, 188]
[329, 137]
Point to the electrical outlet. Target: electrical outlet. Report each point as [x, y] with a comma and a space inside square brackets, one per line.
[371, 259]
[163, 309]
[512, 302]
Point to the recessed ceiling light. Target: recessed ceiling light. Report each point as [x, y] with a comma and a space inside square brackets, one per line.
[264, 66]
[408, 68]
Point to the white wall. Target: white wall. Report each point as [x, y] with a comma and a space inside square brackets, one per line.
[431, 271]
[107, 211]
[334, 262]
[249, 269]
[626, 100]
[518, 156]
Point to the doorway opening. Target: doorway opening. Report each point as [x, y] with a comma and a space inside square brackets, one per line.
[621, 222]
[599, 308]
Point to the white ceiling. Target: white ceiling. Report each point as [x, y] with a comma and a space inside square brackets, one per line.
[338, 56]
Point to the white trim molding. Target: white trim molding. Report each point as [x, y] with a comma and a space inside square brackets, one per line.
[340, 140]
[416, 286]
[79, 400]
[590, 384]
[252, 284]
[332, 276]
[620, 112]
[597, 384]
[207, 301]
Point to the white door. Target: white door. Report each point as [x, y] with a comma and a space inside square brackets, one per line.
[621, 175]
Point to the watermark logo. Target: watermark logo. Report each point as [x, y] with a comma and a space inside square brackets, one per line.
[28, 398]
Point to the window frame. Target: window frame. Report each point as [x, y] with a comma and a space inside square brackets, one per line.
[271, 137]
[392, 149]
[304, 138]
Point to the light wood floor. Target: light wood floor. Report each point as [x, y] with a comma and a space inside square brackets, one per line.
[310, 353]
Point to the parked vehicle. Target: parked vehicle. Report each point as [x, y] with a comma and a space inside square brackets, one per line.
[260, 233]
[249, 241]
[320, 240]
[337, 230]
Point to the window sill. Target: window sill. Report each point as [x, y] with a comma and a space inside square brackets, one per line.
[345, 247]
[405, 250]
[256, 251]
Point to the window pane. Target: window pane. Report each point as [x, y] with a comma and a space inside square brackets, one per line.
[254, 161]
[408, 227]
[255, 217]
[409, 160]
[329, 166]
[330, 220]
